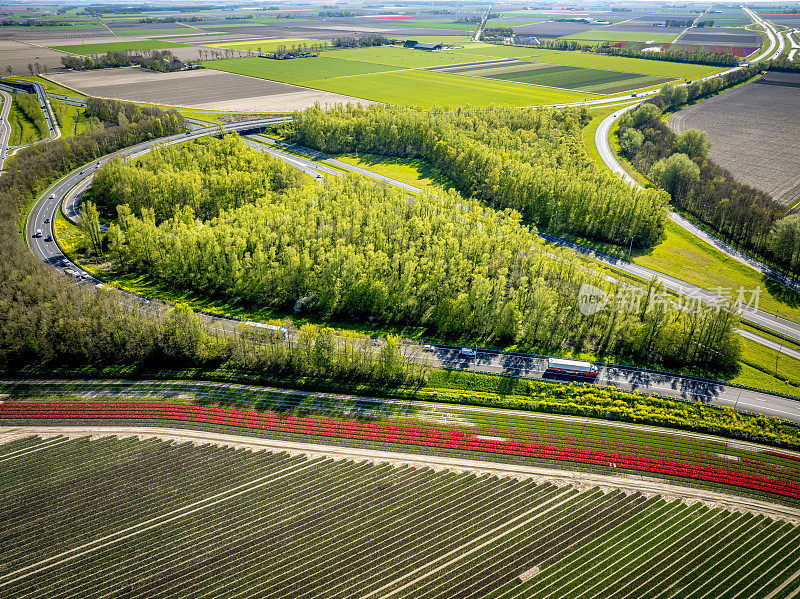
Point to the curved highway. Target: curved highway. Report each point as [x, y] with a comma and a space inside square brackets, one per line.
[489, 361]
[774, 50]
[5, 127]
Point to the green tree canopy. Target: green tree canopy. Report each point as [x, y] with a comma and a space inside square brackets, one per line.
[693, 143]
[675, 174]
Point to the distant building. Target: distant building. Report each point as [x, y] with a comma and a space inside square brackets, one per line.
[428, 47]
[410, 43]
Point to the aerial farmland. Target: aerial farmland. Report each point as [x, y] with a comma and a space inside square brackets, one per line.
[445, 300]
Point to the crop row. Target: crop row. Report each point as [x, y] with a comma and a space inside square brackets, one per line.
[121, 486]
[398, 434]
[345, 529]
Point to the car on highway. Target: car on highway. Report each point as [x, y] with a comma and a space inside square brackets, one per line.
[52, 196]
[48, 238]
[46, 220]
[38, 233]
[468, 352]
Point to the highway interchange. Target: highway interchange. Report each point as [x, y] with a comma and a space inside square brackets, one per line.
[42, 216]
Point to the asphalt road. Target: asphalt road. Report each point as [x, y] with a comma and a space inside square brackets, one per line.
[670, 384]
[780, 325]
[704, 391]
[5, 127]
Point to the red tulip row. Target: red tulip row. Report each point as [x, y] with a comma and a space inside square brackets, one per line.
[783, 455]
[393, 434]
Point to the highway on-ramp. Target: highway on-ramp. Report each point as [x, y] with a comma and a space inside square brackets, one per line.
[495, 362]
[5, 127]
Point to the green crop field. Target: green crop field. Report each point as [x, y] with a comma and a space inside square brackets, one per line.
[589, 60]
[364, 73]
[441, 89]
[119, 47]
[296, 71]
[401, 57]
[220, 521]
[658, 36]
[566, 77]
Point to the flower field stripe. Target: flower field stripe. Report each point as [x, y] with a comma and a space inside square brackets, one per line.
[457, 440]
[152, 523]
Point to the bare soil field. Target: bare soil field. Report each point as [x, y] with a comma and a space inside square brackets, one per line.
[787, 20]
[641, 26]
[754, 130]
[64, 33]
[205, 88]
[720, 37]
[7, 33]
[18, 56]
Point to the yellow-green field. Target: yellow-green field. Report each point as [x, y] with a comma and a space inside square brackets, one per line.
[428, 89]
[269, 45]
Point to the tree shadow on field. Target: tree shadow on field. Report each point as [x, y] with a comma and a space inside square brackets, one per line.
[780, 292]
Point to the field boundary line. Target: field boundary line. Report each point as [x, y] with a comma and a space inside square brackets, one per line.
[170, 516]
[22, 452]
[467, 553]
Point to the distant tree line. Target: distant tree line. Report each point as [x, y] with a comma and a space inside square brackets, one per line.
[102, 9]
[747, 217]
[352, 249]
[532, 161]
[678, 22]
[364, 41]
[705, 58]
[490, 33]
[337, 13]
[156, 60]
[33, 23]
[171, 20]
[671, 55]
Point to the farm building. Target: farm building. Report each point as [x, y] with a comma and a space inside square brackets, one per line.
[428, 47]
[422, 46]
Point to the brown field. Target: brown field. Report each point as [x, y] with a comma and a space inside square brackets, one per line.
[716, 36]
[64, 33]
[202, 89]
[754, 130]
[18, 56]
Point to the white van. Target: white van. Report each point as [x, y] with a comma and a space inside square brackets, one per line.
[38, 233]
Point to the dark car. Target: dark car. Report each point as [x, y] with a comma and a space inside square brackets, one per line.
[48, 238]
